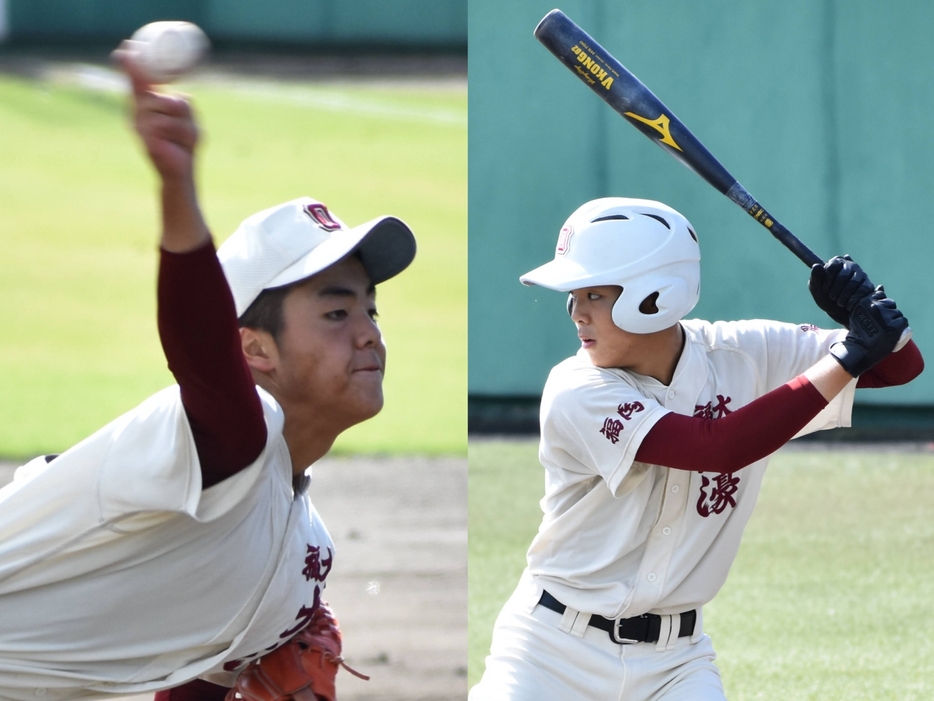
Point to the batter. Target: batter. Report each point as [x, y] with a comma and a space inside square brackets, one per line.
[654, 440]
[178, 543]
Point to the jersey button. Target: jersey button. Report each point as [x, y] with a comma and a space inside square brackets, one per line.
[671, 394]
[651, 577]
[675, 489]
[666, 531]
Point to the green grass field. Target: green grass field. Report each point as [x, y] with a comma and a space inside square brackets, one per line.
[78, 228]
[828, 598]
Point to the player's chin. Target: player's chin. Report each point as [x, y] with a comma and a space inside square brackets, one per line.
[368, 400]
[592, 352]
[601, 360]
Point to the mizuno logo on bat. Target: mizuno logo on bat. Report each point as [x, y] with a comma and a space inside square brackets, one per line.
[660, 125]
[592, 66]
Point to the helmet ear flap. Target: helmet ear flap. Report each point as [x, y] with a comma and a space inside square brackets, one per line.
[570, 305]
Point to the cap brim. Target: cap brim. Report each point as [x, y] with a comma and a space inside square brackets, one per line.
[386, 246]
[560, 274]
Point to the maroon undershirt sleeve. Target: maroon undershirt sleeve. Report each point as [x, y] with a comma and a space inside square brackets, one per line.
[762, 426]
[895, 369]
[201, 339]
[195, 690]
[736, 440]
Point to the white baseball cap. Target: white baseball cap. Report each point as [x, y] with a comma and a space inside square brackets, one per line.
[295, 240]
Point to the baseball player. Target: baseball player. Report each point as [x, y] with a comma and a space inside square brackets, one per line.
[654, 440]
[178, 543]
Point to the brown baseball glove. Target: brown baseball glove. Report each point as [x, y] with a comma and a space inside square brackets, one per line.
[304, 669]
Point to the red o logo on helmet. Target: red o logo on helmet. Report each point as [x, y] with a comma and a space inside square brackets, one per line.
[564, 240]
[322, 216]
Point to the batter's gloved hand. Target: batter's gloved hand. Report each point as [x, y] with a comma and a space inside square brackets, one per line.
[837, 286]
[876, 325]
[304, 669]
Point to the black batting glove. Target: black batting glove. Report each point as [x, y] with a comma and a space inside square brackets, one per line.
[876, 325]
[837, 286]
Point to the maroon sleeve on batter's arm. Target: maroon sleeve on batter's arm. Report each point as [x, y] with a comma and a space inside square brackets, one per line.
[195, 690]
[730, 443]
[895, 369]
[201, 340]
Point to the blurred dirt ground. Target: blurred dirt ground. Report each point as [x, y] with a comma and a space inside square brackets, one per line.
[399, 583]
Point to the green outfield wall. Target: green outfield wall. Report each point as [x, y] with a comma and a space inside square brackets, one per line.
[380, 24]
[821, 108]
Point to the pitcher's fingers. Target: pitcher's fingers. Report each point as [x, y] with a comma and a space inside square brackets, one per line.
[126, 56]
[163, 103]
[178, 131]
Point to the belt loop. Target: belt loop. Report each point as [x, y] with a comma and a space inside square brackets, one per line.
[675, 631]
[664, 633]
[580, 625]
[698, 625]
[570, 622]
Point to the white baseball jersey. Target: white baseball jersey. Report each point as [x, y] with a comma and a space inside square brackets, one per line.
[119, 575]
[621, 538]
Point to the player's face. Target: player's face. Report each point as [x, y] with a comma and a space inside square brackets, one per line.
[331, 352]
[592, 311]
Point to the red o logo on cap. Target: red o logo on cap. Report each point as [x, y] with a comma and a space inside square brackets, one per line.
[322, 216]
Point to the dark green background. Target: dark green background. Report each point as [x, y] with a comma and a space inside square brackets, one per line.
[821, 109]
[384, 23]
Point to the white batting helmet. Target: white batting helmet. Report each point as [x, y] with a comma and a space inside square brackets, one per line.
[646, 247]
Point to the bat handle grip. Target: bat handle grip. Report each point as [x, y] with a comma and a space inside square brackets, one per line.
[785, 237]
[805, 254]
[795, 245]
[740, 196]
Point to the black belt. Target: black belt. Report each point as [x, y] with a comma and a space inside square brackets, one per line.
[641, 629]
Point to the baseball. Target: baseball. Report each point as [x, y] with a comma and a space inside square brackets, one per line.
[168, 50]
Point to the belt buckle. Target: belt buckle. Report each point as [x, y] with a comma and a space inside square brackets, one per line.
[614, 634]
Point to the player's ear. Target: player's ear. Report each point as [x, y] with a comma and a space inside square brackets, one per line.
[259, 349]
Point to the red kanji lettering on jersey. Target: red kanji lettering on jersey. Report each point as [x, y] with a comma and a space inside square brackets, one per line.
[315, 567]
[628, 409]
[611, 429]
[305, 614]
[724, 486]
[564, 240]
[322, 216]
[714, 411]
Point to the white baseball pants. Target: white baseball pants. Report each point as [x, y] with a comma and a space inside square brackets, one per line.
[532, 659]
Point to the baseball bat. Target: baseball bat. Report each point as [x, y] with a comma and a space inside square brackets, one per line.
[628, 96]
